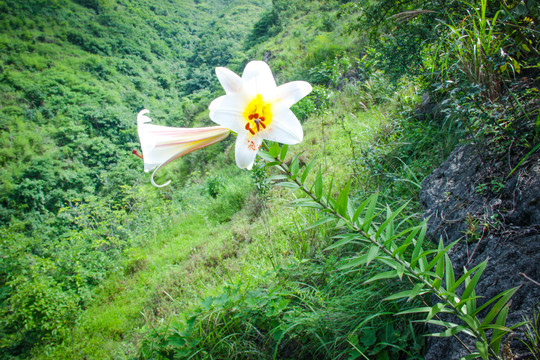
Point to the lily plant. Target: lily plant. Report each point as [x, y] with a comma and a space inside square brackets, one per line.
[253, 107]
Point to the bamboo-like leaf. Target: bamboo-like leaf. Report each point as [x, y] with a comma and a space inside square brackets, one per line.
[287, 184]
[504, 298]
[451, 331]
[498, 306]
[482, 348]
[449, 274]
[370, 211]
[418, 310]
[434, 310]
[359, 210]
[439, 269]
[389, 219]
[415, 291]
[277, 177]
[384, 275]
[372, 254]
[418, 246]
[283, 153]
[294, 167]
[346, 240]
[318, 185]
[357, 261]
[305, 202]
[307, 170]
[472, 284]
[471, 356]
[463, 278]
[330, 188]
[399, 295]
[319, 222]
[343, 200]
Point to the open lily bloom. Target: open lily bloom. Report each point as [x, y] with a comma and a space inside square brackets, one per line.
[162, 144]
[256, 109]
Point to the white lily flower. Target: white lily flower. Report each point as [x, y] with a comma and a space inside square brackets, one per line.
[162, 144]
[256, 109]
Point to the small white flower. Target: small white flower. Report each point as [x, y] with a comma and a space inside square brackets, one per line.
[256, 109]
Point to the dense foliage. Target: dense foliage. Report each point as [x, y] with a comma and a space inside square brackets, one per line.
[87, 246]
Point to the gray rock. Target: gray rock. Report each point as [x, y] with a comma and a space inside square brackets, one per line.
[469, 198]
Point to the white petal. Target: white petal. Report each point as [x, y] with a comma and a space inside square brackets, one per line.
[231, 82]
[285, 127]
[292, 92]
[258, 79]
[162, 144]
[246, 149]
[227, 111]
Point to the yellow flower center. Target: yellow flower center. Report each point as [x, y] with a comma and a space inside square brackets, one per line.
[258, 115]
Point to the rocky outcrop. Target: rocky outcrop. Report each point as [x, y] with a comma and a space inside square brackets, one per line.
[470, 197]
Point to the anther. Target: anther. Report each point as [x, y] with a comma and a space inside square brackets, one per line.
[135, 152]
[249, 128]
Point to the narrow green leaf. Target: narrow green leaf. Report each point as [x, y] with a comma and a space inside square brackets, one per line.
[471, 356]
[294, 167]
[318, 185]
[434, 310]
[305, 202]
[384, 275]
[372, 254]
[450, 331]
[415, 291]
[343, 200]
[463, 278]
[498, 307]
[320, 222]
[418, 310]
[354, 262]
[418, 246]
[482, 348]
[504, 296]
[472, 284]
[389, 219]
[359, 211]
[449, 275]
[283, 154]
[307, 170]
[277, 177]
[399, 295]
[287, 184]
[346, 240]
[370, 211]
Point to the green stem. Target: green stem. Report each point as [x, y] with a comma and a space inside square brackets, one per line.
[411, 272]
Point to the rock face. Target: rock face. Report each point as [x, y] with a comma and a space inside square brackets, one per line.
[496, 217]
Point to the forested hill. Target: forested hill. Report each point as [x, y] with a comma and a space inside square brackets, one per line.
[284, 261]
[75, 72]
[73, 75]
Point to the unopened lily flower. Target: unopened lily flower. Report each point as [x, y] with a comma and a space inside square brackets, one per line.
[256, 109]
[162, 144]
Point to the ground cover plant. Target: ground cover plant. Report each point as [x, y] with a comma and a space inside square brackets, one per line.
[222, 263]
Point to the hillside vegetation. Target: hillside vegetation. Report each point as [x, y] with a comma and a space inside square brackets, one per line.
[95, 263]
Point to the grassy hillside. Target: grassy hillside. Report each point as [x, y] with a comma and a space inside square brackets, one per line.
[97, 264]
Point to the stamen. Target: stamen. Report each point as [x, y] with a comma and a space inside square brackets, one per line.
[249, 128]
[135, 152]
[250, 117]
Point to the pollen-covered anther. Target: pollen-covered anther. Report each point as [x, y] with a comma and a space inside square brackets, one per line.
[249, 128]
